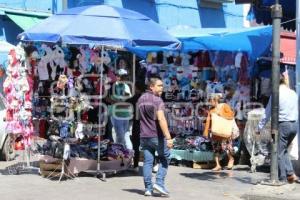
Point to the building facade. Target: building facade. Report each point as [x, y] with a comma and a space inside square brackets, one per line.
[19, 15]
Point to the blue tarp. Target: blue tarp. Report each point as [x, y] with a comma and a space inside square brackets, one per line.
[101, 25]
[255, 41]
[261, 11]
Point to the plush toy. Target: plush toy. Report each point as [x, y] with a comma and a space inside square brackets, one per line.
[8, 85]
[32, 62]
[78, 84]
[106, 59]
[95, 58]
[25, 113]
[20, 53]
[12, 58]
[185, 59]
[62, 81]
[46, 55]
[184, 85]
[174, 85]
[83, 62]
[113, 56]
[87, 85]
[87, 59]
[84, 103]
[151, 57]
[23, 83]
[79, 131]
[167, 84]
[46, 60]
[59, 61]
[179, 73]
[67, 52]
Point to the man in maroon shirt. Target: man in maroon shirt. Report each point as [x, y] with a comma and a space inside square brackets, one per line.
[155, 136]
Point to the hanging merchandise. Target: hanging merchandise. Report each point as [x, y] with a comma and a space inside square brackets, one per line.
[58, 91]
[18, 91]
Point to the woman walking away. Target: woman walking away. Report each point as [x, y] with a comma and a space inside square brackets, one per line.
[220, 144]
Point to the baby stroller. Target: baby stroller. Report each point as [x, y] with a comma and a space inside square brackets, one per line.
[258, 146]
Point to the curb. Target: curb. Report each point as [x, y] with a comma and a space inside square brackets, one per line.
[265, 197]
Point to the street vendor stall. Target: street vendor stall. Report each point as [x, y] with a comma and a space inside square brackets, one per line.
[212, 60]
[66, 59]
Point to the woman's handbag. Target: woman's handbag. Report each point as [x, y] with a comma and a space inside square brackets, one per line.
[220, 126]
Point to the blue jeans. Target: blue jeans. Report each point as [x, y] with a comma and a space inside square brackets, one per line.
[122, 132]
[287, 132]
[150, 145]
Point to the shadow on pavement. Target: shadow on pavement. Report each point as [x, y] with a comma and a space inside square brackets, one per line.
[206, 176]
[141, 192]
[213, 176]
[20, 168]
[137, 191]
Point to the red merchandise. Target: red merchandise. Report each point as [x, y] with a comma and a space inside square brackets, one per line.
[13, 57]
[202, 59]
[85, 116]
[243, 73]
[19, 144]
[229, 59]
[42, 128]
[9, 115]
[76, 73]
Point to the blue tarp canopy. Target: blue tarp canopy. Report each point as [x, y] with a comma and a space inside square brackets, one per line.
[254, 41]
[101, 25]
[261, 11]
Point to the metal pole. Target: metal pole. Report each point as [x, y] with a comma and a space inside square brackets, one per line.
[276, 16]
[133, 72]
[298, 59]
[100, 113]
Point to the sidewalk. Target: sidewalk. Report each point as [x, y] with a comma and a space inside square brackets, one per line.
[182, 182]
[263, 192]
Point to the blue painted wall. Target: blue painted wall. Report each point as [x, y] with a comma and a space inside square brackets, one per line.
[168, 13]
[32, 5]
[10, 28]
[77, 3]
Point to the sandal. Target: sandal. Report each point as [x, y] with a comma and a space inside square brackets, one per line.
[216, 169]
[230, 164]
[293, 178]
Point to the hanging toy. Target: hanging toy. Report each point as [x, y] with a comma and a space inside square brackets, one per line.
[62, 81]
[59, 60]
[105, 58]
[83, 62]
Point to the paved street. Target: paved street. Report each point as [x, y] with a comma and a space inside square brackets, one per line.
[183, 183]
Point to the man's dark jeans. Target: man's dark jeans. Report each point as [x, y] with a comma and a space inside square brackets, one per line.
[287, 132]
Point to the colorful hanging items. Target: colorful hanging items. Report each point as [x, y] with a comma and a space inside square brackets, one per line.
[18, 91]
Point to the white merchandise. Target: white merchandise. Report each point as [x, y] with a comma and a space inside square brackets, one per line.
[238, 59]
